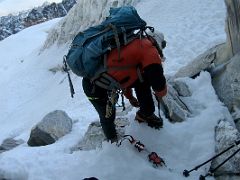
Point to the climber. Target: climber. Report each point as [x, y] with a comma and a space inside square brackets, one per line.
[140, 68]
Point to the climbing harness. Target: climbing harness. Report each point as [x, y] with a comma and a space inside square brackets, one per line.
[152, 156]
[211, 172]
[113, 96]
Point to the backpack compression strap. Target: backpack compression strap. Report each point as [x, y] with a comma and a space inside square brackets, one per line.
[115, 32]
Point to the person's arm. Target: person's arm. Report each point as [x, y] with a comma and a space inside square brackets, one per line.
[162, 92]
[154, 75]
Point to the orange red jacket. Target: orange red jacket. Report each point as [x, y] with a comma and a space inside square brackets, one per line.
[134, 57]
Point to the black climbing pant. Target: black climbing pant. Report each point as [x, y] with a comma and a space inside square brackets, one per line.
[99, 97]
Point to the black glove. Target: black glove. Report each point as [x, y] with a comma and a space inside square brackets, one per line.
[134, 102]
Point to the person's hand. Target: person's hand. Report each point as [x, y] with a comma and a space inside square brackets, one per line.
[134, 102]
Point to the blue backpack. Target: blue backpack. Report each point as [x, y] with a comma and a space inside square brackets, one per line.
[85, 56]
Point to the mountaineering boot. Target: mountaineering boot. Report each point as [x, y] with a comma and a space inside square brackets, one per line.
[152, 120]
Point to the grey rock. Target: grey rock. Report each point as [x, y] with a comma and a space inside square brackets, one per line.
[181, 87]
[94, 135]
[227, 84]
[233, 25]
[238, 124]
[173, 106]
[225, 136]
[236, 118]
[227, 81]
[211, 61]
[9, 144]
[200, 63]
[92, 139]
[53, 126]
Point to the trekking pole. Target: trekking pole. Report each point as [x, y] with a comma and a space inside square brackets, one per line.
[123, 103]
[211, 172]
[186, 173]
[164, 107]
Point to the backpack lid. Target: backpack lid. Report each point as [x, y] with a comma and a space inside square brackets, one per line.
[125, 16]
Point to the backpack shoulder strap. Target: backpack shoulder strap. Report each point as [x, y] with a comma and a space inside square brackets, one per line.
[115, 32]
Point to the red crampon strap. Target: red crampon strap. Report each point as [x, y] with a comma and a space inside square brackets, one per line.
[153, 156]
[155, 159]
[137, 144]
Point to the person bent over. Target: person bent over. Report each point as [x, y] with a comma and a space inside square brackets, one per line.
[139, 67]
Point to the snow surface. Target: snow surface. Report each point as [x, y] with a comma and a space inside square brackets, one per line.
[29, 91]
[13, 6]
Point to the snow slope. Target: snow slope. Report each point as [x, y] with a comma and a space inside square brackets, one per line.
[190, 27]
[29, 91]
[13, 6]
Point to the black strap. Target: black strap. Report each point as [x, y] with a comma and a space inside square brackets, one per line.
[65, 69]
[115, 32]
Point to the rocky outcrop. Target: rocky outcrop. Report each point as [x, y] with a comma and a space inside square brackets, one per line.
[227, 83]
[80, 17]
[226, 136]
[12, 24]
[94, 136]
[52, 127]
[223, 63]
[172, 105]
[209, 61]
[236, 118]
[233, 25]
[181, 87]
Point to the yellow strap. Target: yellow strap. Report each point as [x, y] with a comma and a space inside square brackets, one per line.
[92, 98]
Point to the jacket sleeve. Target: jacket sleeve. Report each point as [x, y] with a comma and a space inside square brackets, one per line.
[162, 92]
[154, 75]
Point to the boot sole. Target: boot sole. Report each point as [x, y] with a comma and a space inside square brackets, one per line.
[149, 124]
